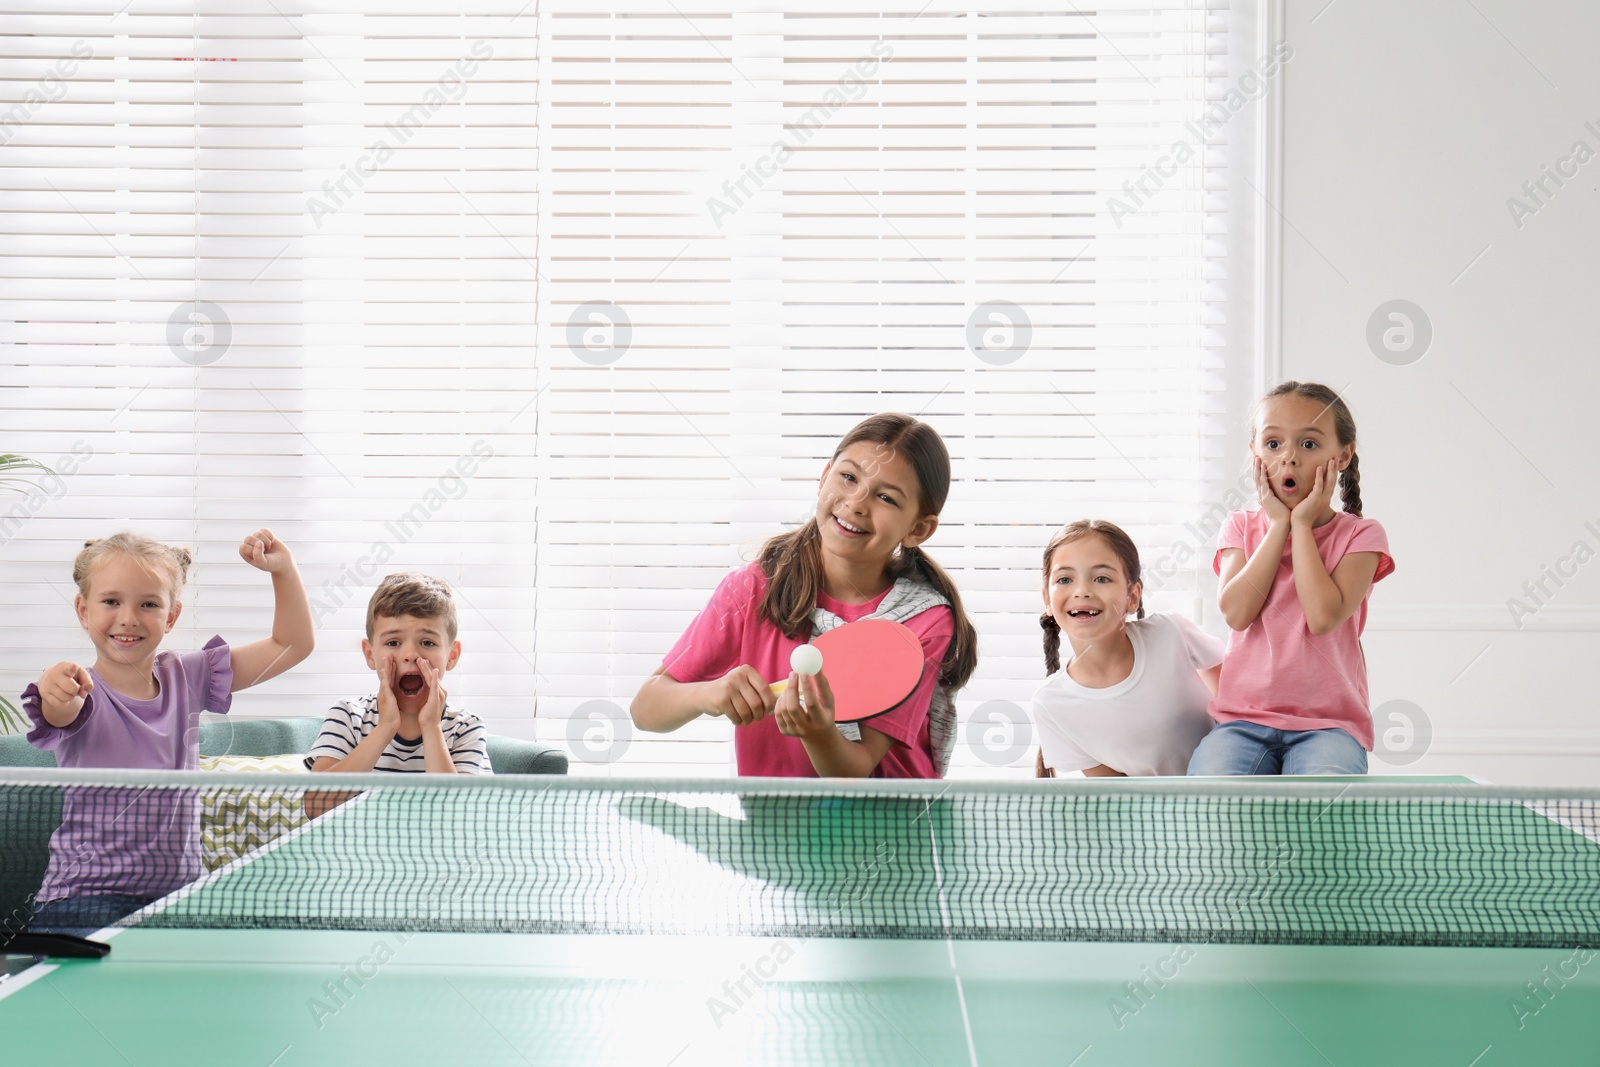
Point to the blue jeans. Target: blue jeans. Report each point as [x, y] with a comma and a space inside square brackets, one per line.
[1241, 747]
[83, 916]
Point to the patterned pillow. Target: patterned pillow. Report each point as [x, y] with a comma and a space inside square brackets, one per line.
[234, 822]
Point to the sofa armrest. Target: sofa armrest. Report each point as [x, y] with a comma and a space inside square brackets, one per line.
[16, 752]
[510, 755]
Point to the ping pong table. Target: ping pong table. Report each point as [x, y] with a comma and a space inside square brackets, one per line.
[678, 923]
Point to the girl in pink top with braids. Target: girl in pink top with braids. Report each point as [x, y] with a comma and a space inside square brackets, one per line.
[1295, 577]
[859, 555]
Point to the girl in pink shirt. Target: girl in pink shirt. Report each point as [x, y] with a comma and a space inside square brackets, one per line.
[1295, 577]
[860, 554]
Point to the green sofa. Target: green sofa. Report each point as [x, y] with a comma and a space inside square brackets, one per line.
[227, 736]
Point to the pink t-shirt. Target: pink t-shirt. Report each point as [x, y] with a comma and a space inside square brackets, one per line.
[1276, 672]
[730, 631]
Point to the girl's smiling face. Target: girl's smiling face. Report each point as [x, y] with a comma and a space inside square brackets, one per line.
[128, 610]
[1087, 590]
[1296, 436]
[869, 502]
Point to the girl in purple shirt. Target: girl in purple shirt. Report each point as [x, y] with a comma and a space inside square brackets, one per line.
[139, 707]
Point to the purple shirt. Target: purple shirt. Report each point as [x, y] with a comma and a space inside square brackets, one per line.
[142, 842]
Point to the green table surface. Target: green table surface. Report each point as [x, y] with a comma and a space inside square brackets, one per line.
[275, 997]
[310, 996]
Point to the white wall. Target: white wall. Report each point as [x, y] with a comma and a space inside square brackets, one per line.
[1407, 126]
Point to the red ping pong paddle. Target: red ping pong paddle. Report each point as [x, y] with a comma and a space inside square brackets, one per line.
[873, 665]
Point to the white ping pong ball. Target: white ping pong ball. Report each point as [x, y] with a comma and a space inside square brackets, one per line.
[806, 659]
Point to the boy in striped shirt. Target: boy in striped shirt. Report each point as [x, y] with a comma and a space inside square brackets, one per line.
[408, 724]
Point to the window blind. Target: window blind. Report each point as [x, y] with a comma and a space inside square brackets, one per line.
[568, 304]
[274, 265]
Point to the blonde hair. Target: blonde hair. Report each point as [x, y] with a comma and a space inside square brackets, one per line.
[164, 560]
[418, 595]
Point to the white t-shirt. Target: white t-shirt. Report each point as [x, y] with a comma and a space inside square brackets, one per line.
[1148, 723]
[349, 721]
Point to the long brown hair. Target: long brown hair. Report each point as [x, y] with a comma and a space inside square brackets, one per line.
[1127, 553]
[1344, 427]
[792, 561]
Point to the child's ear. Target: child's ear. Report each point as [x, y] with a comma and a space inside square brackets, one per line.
[172, 616]
[1135, 598]
[82, 606]
[366, 650]
[455, 654]
[921, 531]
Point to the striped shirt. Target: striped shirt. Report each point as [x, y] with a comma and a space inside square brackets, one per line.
[349, 721]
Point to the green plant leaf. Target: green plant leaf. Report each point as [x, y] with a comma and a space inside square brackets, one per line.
[12, 720]
[24, 483]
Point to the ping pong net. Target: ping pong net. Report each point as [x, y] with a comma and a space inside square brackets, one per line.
[1239, 861]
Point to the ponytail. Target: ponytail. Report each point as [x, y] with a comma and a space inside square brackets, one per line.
[961, 658]
[792, 563]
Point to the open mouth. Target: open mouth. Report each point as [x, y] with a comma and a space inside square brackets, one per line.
[1288, 485]
[853, 531]
[410, 684]
[1084, 613]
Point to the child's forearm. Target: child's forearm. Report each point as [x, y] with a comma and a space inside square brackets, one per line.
[436, 758]
[61, 715]
[292, 628]
[663, 703]
[1242, 598]
[1320, 598]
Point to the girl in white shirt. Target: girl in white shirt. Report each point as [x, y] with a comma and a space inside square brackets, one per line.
[1131, 699]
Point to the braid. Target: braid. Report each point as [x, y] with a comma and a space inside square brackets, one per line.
[1350, 489]
[1052, 643]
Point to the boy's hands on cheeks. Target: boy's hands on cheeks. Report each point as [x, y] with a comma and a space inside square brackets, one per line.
[813, 717]
[742, 696]
[1308, 511]
[265, 552]
[1277, 511]
[388, 703]
[432, 713]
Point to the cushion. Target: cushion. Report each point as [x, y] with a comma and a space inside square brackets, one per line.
[234, 822]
